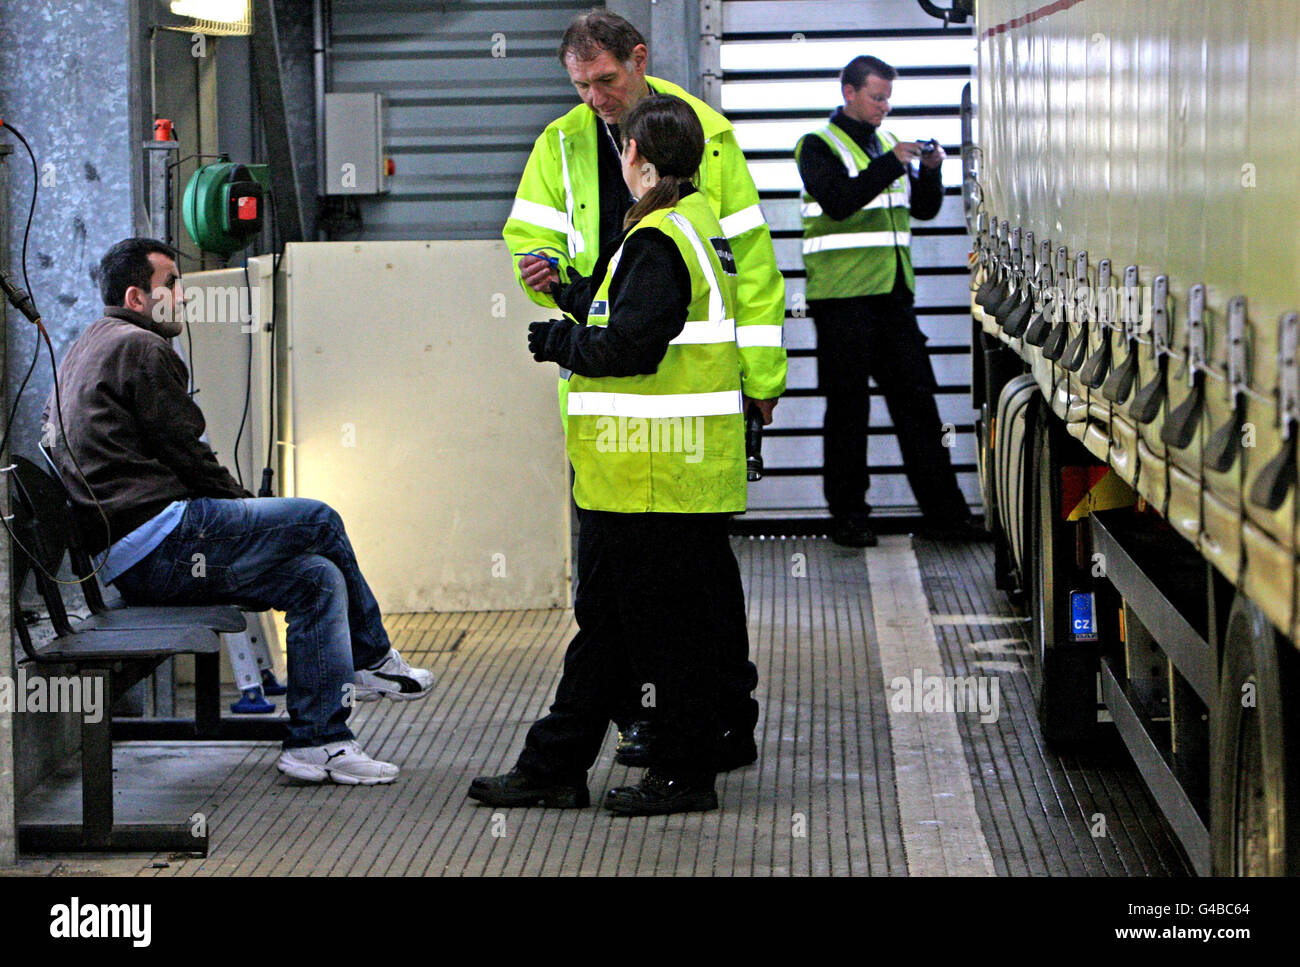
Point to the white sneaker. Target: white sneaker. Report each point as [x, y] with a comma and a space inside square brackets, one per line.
[341, 762]
[392, 678]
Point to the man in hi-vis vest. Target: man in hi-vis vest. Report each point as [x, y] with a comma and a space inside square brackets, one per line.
[860, 193]
[571, 200]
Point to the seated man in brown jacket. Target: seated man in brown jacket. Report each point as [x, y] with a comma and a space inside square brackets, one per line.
[180, 530]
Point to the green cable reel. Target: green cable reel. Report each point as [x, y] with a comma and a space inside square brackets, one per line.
[222, 207]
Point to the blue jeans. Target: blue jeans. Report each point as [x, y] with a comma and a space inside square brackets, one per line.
[285, 553]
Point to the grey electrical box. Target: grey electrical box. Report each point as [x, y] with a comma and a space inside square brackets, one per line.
[355, 160]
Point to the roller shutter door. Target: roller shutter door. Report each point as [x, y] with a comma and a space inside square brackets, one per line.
[773, 68]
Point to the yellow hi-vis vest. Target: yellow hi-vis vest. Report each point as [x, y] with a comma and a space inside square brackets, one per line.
[857, 256]
[557, 210]
[672, 441]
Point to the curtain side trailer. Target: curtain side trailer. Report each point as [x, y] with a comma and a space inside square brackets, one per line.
[1132, 189]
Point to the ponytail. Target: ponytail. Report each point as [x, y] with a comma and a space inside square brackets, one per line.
[666, 193]
[668, 135]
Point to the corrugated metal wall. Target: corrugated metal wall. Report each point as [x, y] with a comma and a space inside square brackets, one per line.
[780, 63]
[469, 87]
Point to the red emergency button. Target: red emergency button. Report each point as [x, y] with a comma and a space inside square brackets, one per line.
[247, 211]
[390, 167]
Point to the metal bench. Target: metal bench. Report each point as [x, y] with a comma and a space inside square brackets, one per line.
[116, 657]
[119, 647]
[227, 618]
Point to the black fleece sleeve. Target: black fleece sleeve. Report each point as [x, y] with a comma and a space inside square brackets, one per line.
[927, 193]
[828, 181]
[575, 296]
[173, 424]
[649, 298]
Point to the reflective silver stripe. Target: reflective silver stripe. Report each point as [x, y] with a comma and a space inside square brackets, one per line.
[810, 209]
[651, 406]
[738, 223]
[855, 240]
[717, 311]
[717, 329]
[574, 236]
[756, 335]
[700, 331]
[542, 216]
[845, 154]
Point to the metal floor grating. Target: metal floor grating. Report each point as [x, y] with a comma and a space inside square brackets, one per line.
[821, 800]
[1038, 809]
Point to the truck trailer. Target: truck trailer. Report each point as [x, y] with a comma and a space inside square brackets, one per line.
[1132, 193]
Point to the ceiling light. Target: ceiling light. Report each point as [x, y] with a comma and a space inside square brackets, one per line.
[215, 16]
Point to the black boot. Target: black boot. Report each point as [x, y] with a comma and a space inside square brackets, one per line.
[736, 748]
[517, 788]
[955, 531]
[660, 794]
[634, 743]
[853, 531]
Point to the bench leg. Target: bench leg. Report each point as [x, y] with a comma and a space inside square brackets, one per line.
[97, 769]
[164, 689]
[207, 695]
[97, 831]
[132, 838]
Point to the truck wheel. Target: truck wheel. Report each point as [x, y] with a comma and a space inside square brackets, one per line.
[1066, 679]
[1255, 751]
[998, 367]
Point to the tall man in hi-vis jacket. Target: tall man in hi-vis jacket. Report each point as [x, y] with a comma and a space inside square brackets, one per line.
[571, 201]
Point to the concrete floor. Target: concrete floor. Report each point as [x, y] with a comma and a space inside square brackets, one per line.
[847, 781]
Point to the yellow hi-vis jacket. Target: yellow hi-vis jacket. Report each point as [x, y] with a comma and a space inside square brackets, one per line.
[557, 207]
[672, 441]
[858, 255]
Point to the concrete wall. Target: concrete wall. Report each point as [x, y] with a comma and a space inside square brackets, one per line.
[66, 89]
[8, 849]
[65, 80]
[83, 81]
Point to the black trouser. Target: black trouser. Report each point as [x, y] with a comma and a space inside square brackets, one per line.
[737, 675]
[650, 609]
[878, 336]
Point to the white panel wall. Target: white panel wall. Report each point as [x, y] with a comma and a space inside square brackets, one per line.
[416, 410]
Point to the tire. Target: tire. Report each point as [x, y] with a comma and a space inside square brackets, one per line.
[1255, 751]
[1066, 673]
[999, 367]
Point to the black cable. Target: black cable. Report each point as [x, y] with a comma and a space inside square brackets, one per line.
[58, 402]
[267, 471]
[248, 376]
[43, 334]
[31, 211]
[189, 350]
[13, 412]
[63, 435]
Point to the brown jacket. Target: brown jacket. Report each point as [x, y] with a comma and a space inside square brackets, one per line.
[132, 427]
